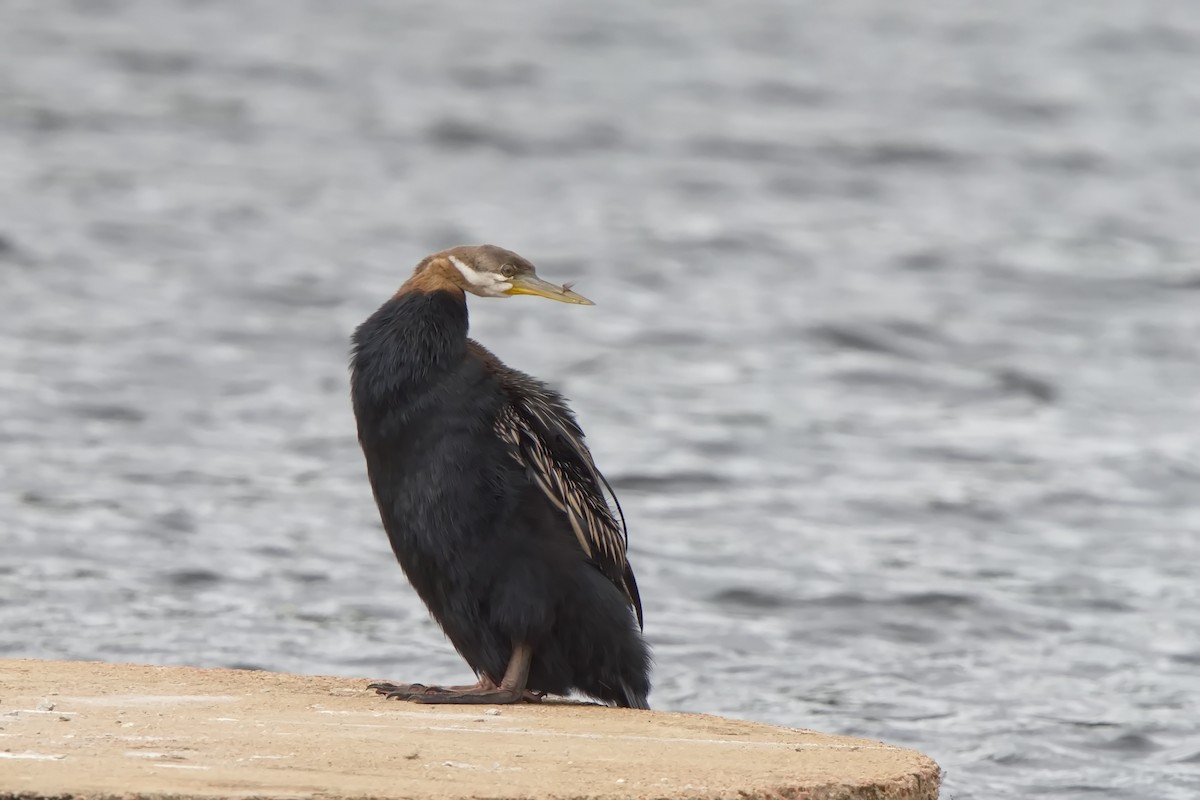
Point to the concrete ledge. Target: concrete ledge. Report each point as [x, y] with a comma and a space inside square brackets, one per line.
[84, 729]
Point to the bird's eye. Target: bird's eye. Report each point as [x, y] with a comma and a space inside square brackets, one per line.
[508, 270]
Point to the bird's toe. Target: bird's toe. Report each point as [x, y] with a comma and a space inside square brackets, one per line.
[398, 691]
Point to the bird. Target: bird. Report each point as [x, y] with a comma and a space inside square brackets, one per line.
[490, 498]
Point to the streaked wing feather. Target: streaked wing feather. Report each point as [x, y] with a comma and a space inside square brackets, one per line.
[545, 439]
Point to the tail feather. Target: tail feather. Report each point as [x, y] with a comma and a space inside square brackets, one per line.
[633, 699]
[603, 643]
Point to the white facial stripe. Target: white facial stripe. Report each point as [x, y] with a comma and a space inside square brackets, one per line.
[485, 282]
[474, 277]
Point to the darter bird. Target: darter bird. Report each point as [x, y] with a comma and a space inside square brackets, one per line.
[490, 498]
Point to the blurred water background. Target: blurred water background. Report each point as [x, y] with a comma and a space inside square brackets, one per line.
[895, 363]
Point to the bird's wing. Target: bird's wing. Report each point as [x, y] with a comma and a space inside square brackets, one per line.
[545, 438]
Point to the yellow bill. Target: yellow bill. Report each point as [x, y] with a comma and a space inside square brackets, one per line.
[531, 284]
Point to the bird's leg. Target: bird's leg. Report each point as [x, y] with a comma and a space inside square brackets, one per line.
[510, 690]
[407, 691]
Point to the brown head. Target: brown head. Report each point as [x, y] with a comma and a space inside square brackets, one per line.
[487, 271]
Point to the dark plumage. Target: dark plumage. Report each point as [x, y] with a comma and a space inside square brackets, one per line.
[490, 498]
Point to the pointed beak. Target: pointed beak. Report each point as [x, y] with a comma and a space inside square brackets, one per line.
[531, 284]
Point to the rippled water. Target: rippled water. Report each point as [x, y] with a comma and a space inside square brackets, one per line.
[896, 362]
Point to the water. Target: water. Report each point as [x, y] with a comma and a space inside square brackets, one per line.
[895, 362]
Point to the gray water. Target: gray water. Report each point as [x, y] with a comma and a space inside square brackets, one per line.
[895, 363]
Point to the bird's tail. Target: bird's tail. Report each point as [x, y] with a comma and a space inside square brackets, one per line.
[633, 699]
[603, 644]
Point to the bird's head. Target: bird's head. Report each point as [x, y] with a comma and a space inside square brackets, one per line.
[489, 271]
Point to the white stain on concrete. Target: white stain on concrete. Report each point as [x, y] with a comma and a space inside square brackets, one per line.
[32, 756]
[150, 699]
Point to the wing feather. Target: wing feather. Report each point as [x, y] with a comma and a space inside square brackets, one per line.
[544, 437]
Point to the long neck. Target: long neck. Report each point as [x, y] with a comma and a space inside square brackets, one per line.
[407, 345]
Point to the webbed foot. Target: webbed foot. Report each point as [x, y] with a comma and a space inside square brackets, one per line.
[496, 696]
[485, 692]
[410, 691]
